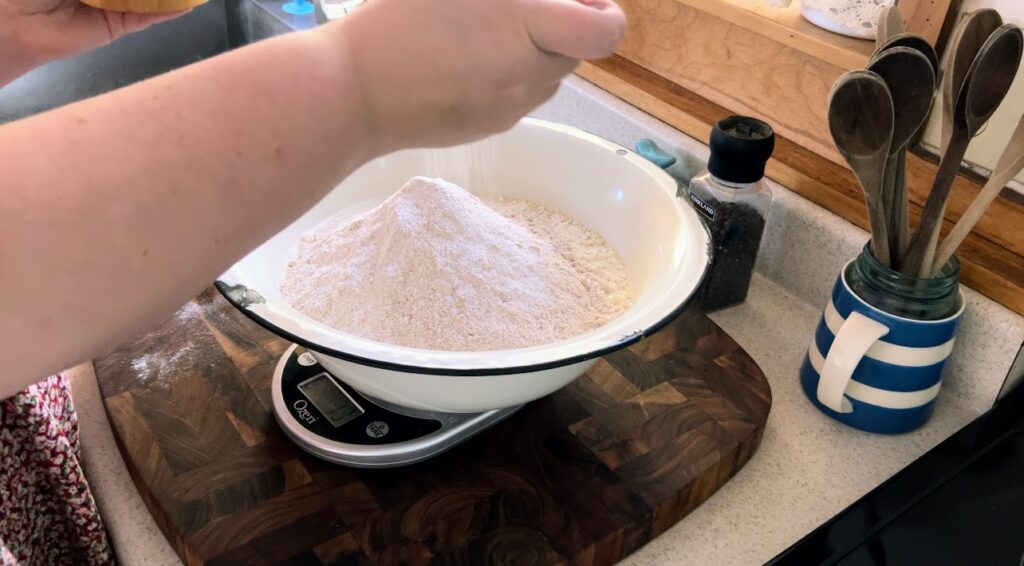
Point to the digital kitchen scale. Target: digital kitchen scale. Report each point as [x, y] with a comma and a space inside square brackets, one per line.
[332, 421]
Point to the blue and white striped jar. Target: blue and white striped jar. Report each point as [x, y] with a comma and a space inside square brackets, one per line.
[873, 370]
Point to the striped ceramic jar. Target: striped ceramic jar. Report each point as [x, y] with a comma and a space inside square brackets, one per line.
[873, 370]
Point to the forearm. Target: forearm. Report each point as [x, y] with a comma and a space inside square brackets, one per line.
[162, 186]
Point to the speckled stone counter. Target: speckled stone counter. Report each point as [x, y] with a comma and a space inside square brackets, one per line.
[812, 466]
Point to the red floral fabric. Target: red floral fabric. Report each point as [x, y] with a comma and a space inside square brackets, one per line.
[47, 512]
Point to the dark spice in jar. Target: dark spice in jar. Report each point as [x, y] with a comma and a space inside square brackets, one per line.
[732, 196]
[736, 237]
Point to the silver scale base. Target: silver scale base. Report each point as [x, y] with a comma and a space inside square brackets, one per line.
[309, 428]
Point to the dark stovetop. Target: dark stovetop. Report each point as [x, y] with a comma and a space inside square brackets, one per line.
[960, 503]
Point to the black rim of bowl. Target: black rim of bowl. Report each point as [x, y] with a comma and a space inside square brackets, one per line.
[382, 364]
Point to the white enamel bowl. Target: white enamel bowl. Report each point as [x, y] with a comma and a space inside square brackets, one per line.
[631, 202]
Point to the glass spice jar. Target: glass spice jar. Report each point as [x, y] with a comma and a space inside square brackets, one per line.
[733, 198]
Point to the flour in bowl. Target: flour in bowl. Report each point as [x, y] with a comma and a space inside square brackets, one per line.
[435, 267]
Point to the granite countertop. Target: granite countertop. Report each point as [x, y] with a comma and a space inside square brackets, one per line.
[808, 467]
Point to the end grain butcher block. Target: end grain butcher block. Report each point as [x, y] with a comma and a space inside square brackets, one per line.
[584, 476]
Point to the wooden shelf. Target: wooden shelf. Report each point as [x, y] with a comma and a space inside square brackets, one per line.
[931, 19]
[992, 257]
[789, 28]
[758, 60]
[765, 63]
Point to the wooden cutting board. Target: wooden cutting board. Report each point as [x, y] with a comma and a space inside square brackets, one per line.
[586, 475]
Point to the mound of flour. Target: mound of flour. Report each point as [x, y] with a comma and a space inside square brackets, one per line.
[435, 267]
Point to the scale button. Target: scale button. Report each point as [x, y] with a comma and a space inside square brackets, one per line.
[306, 359]
[377, 429]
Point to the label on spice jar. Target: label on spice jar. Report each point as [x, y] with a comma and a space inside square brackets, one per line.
[702, 207]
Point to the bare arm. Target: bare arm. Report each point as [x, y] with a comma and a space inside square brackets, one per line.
[115, 210]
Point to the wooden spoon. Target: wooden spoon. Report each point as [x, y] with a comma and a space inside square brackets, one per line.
[860, 117]
[911, 81]
[913, 41]
[899, 219]
[962, 49]
[889, 24]
[985, 86]
[1011, 162]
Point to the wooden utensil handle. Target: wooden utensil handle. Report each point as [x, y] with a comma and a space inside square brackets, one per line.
[918, 260]
[879, 233]
[890, 23]
[1010, 164]
[968, 220]
[897, 214]
[903, 222]
[889, 207]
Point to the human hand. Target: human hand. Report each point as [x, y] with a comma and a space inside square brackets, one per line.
[45, 30]
[441, 72]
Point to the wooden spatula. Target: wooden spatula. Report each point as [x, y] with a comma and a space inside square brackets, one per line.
[889, 24]
[1010, 164]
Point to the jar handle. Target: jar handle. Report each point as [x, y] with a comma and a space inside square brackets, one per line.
[853, 340]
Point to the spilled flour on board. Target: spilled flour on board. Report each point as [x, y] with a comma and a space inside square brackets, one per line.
[157, 368]
[188, 311]
[150, 367]
[436, 267]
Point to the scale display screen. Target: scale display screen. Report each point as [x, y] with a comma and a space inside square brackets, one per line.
[330, 399]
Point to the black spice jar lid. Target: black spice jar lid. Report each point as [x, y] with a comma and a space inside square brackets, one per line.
[740, 148]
